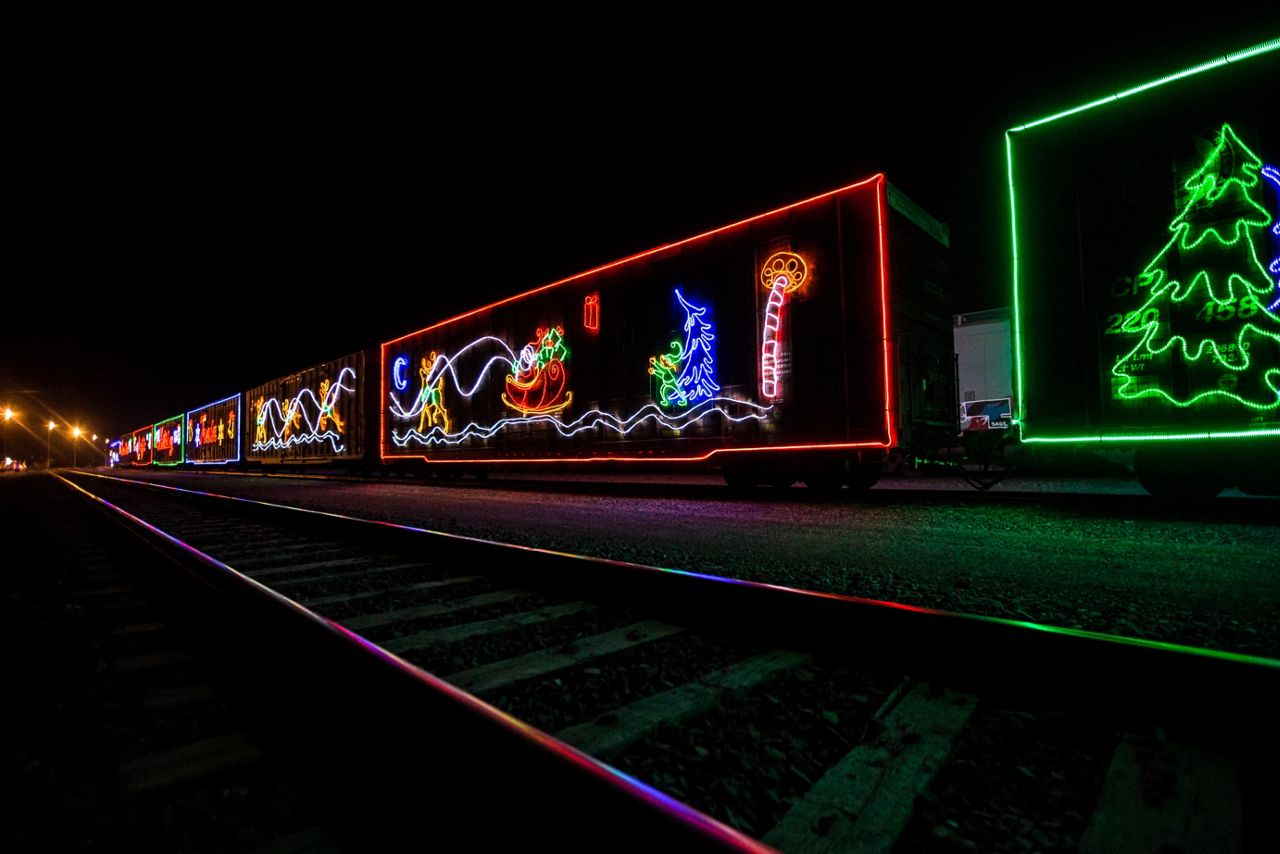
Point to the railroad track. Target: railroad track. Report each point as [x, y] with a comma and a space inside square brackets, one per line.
[807, 722]
[125, 737]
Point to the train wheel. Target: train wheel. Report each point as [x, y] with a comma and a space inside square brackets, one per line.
[863, 476]
[1176, 487]
[777, 473]
[825, 482]
[738, 478]
[1185, 475]
[780, 480]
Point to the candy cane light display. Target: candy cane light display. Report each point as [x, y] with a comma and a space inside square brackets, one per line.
[782, 274]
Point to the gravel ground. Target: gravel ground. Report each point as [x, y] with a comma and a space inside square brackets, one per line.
[1016, 782]
[1094, 554]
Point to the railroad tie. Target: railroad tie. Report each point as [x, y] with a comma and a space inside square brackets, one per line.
[482, 628]
[387, 618]
[1166, 798]
[865, 801]
[509, 671]
[187, 763]
[615, 731]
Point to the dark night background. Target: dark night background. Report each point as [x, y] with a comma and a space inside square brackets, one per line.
[195, 206]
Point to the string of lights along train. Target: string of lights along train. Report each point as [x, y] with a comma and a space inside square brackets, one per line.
[812, 340]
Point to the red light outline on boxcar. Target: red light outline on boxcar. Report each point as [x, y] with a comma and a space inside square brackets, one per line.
[879, 183]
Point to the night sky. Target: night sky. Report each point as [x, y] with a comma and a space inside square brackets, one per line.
[197, 207]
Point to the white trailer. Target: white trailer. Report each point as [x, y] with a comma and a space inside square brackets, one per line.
[984, 369]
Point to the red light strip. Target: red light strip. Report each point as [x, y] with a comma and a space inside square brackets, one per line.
[146, 431]
[879, 182]
[638, 256]
[656, 458]
[881, 196]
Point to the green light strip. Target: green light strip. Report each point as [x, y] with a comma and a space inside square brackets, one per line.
[1159, 437]
[1017, 313]
[1256, 50]
[1249, 52]
[182, 447]
[1145, 643]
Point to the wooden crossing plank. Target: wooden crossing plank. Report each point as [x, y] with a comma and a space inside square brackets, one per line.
[864, 802]
[187, 763]
[255, 555]
[1196, 806]
[151, 660]
[356, 561]
[134, 629]
[613, 732]
[480, 628]
[405, 588]
[311, 840]
[386, 618]
[509, 671]
[168, 698]
[343, 576]
[93, 592]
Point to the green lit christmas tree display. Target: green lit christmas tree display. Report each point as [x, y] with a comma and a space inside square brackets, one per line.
[1205, 333]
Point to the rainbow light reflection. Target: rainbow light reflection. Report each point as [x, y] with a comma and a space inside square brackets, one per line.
[673, 808]
[1103, 637]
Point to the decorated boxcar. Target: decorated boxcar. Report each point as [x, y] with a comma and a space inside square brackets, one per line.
[167, 443]
[1146, 275]
[317, 415]
[806, 342]
[135, 447]
[213, 432]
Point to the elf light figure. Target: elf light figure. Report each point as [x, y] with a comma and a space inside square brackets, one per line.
[782, 274]
[687, 374]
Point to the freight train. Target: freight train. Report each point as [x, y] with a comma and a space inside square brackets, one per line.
[805, 343]
[813, 342]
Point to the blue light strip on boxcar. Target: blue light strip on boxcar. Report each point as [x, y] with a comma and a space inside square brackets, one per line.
[239, 430]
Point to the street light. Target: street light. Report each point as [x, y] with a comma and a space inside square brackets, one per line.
[8, 416]
[48, 455]
[75, 445]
